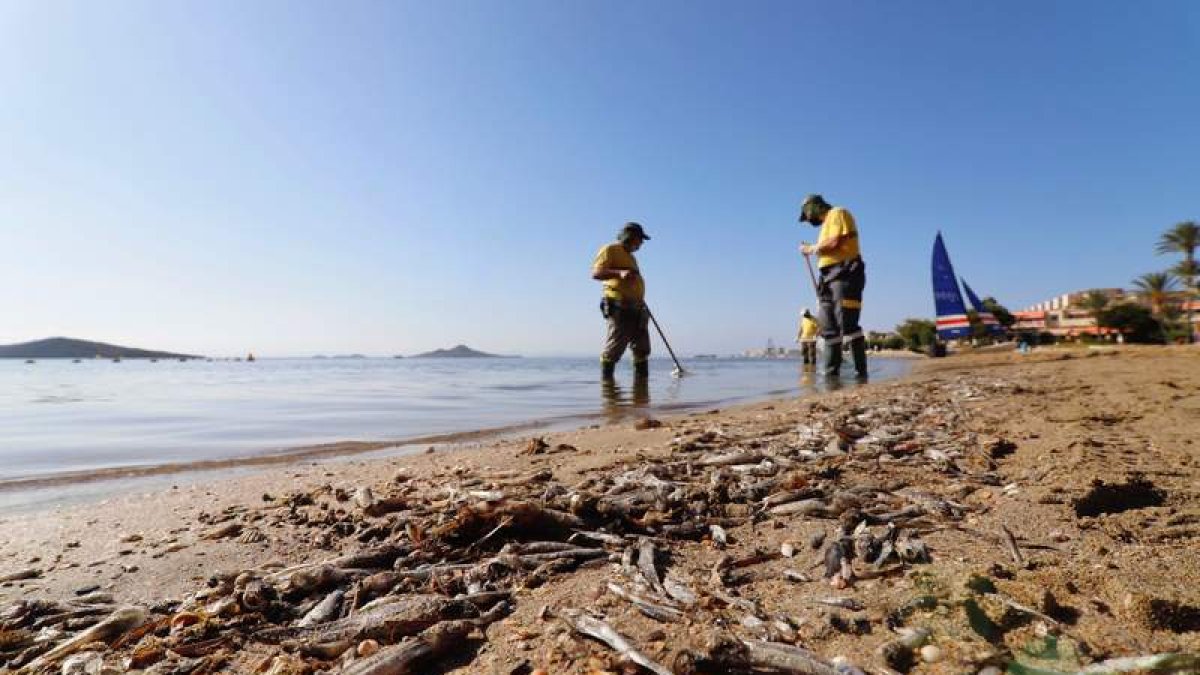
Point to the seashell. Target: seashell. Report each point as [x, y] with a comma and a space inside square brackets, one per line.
[931, 654]
[252, 536]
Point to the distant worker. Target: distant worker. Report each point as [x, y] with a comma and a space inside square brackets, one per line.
[623, 304]
[807, 337]
[840, 287]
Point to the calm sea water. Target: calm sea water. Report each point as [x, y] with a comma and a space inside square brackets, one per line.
[58, 416]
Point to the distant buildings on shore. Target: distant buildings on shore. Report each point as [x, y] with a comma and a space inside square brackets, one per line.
[771, 352]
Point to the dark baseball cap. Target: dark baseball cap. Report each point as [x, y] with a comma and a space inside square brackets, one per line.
[811, 204]
[632, 229]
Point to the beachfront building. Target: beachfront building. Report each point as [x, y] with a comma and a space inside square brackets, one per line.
[1195, 307]
[1065, 316]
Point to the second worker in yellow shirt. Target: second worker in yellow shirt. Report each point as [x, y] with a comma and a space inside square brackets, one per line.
[807, 337]
[840, 287]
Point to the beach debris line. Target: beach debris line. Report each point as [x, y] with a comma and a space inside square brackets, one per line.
[424, 561]
[414, 570]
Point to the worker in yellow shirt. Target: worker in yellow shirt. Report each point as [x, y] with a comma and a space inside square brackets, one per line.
[623, 304]
[840, 287]
[807, 337]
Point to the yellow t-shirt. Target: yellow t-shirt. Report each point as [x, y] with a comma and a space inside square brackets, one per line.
[839, 222]
[614, 256]
[809, 328]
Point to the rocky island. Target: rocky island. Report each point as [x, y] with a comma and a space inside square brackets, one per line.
[457, 351]
[69, 348]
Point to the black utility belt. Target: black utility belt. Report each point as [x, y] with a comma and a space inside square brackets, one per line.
[623, 304]
[837, 266]
[610, 306]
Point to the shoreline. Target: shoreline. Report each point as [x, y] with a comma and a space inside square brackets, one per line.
[1030, 439]
[264, 459]
[346, 449]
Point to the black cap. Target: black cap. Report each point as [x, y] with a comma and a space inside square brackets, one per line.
[632, 229]
[809, 208]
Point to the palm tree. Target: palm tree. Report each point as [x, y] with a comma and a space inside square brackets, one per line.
[1155, 286]
[1183, 238]
[1095, 302]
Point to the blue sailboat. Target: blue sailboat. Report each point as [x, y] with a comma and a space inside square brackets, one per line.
[952, 322]
[985, 317]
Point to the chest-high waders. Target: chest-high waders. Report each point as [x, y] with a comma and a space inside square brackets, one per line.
[841, 291]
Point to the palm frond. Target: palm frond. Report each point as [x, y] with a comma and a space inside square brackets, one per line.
[1183, 238]
[1155, 282]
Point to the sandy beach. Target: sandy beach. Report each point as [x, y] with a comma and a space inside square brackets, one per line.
[1087, 458]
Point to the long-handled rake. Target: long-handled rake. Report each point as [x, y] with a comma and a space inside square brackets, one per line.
[679, 371]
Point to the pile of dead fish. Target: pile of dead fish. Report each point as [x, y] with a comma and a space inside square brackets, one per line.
[428, 565]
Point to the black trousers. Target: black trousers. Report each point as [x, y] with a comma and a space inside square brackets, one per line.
[841, 292]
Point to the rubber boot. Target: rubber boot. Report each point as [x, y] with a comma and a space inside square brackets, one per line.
[858, 348]
[641, 369]
[607, 369]
[641, 391]
[833, 360]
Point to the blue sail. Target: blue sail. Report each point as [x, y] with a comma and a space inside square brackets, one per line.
[985, 317]
[952, 319]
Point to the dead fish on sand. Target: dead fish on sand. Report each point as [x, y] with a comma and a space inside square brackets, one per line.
[118, 623]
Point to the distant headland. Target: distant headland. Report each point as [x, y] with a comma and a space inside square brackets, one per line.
[68, 348]
[458, 352]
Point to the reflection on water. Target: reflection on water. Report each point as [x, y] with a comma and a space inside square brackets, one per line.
[808, 373]
[58, 416]
[620, 402]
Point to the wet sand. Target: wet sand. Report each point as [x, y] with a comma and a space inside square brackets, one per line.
[1056, 446]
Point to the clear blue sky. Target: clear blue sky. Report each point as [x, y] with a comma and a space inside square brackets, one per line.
[387, 177]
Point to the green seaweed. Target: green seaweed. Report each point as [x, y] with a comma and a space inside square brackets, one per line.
[1154, 663]
[1018, 668]
[1045, 648]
